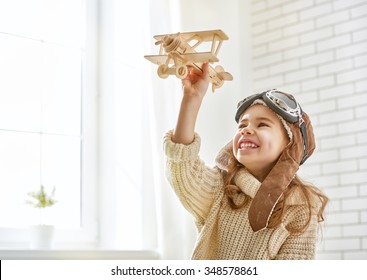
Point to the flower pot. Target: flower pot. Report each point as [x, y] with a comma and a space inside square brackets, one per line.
[41, 236]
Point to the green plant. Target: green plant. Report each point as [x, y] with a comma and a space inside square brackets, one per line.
[41, 199]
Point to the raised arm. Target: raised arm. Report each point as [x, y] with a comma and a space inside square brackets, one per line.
[195, 86]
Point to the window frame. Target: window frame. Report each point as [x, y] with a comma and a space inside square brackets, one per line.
[86, 237]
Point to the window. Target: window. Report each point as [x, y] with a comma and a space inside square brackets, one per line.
[44, 122]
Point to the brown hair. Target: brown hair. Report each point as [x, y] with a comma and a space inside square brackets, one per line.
[310, 194]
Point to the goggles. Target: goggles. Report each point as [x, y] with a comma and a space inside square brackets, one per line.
[284, 104]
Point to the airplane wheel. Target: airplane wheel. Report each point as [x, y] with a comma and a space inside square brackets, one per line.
[162, 71]
[181, 72]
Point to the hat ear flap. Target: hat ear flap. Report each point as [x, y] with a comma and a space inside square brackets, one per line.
[280, 176]
[310, 135]
[271, 190]
[224, 157]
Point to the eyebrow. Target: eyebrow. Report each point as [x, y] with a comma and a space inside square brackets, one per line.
[258, 119]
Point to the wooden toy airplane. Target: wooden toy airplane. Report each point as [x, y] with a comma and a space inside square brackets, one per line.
[176, 54]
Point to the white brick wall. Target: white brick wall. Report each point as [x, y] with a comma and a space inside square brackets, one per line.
[317, 50]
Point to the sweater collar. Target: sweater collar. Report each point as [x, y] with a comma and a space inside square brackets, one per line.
[247, 182]
[250, 185]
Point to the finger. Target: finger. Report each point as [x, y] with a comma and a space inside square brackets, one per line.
[205, 69]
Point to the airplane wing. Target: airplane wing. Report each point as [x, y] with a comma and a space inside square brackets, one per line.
[199, 57]
[157, 59]
[203, 35]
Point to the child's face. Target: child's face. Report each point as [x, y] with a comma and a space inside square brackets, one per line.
[259, 140]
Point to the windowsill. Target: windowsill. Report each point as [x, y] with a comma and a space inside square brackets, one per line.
[30, 254]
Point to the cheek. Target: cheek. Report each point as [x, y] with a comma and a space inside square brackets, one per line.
[235, 141]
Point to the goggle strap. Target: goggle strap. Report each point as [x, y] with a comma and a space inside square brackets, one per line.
[302, 126]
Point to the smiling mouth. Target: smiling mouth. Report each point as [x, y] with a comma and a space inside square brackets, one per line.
[247, 145]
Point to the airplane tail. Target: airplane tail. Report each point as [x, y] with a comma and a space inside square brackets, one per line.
[222, 74]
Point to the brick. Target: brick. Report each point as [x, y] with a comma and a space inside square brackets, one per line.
[296, 6]
[364, 245]
[334, 42]
[258, 28]
[349, 26]
[283, 44]
[343, 218]
[342, 4]
[310, 170]
[307, 97]
[258, 7]
[336, 66]
[298, 28]
[336, 117]
[354, 100]
[317, 59]
[361, 86]
[318, 83]
[325, 181]
[284, 67]
[364, 216]
[284, 20]
[267, 37]
[342, 244]
[316, 35]
[266, 15]
[260, 73]
[315, 11]
[274, 3]
[362, 138]
[259, 51]
[356, 230]
[329, 256]
[356, 255]
[331, 230]
[340, 166]
[360, 60]
[362, 165]
[360, 35]
[267, 60]
[352, 50]
[359, 11]
[363, 189]
[325, 131]
[321, 107]
[338, 142]
[354, 178]
[359, 151]
[335, 92]
[342, 192]
[299, 51]
[301, 75]
[332, 19]
[352, 126]
[271, 82]
[361, 112]
[354, 75]
[292, 88]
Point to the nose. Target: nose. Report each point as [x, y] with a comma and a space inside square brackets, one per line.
[247, 130]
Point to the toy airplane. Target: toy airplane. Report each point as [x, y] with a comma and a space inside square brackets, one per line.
[176, 54]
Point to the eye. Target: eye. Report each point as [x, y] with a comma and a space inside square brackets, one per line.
[263, 124]
[242, 125]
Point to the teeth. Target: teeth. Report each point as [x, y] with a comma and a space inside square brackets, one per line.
[247, 145]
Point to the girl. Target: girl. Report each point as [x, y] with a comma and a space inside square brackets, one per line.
[251, 205]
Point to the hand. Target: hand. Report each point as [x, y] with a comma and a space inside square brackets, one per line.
[196, 83]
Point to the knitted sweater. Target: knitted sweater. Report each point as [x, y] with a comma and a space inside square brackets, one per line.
[225, 233]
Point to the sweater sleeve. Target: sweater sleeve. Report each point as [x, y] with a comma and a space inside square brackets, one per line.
[194, 183]
[299, 246]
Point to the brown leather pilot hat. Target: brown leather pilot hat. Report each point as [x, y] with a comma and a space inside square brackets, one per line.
[281, 175]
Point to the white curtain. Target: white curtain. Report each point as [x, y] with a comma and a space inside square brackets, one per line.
[176, 232]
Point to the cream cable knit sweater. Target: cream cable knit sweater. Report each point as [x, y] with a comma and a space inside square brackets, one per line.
[225, 233]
